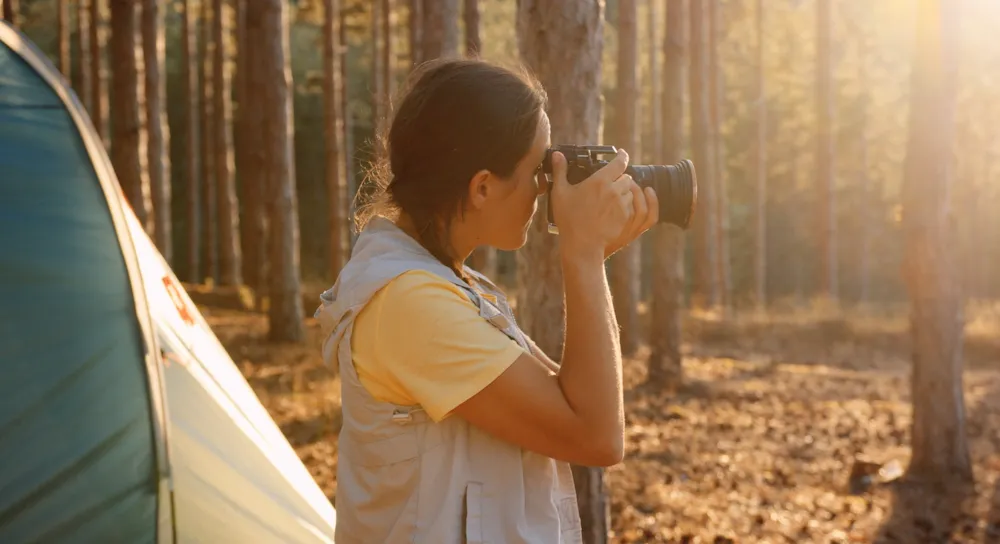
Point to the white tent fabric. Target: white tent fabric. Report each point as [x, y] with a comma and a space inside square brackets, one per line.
[223, 470]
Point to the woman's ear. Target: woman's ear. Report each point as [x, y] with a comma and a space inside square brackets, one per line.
[479, 189]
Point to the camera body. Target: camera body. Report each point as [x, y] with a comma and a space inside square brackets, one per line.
[676, 185]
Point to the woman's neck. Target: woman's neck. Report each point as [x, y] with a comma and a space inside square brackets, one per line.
[456, 255]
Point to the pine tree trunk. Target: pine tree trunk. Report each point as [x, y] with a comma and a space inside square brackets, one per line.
[274, 82]
[98, 74]
[440, 29]
[473, 43]
[252, 175]
[388, 67]
[760, 164]
[416, 31]
[665, 368]
[345, 77]
[333, 118]
[230, 256]
[154, 55]
[11, 11]
[62, 40]
[723, 274]
[81, 82]
[572, 78]
[624, 269]
[128, 154]
[867, 192]
[705, 263]
[190, 99]
[377, 73]
[209, 205]
[940, 449]
[240, 130]
[825, 151]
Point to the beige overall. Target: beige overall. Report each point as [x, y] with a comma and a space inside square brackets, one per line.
[403, 478]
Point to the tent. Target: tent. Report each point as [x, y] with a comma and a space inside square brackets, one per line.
[122, 417]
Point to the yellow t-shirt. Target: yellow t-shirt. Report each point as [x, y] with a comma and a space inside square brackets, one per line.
[421, 340]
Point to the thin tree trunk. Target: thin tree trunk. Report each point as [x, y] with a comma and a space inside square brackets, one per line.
[440, 29]
[230, 256]
[11, 11]
[98, 75]
[665, 369]
[721, 208]
[254, 179]
[940, 449]
[377, 90]
[62, 41]
[128, 154]
[345, 76]
[154, 54]
[82, 82]
[867, 194]
[572, 78]
[274, 82]
[760, 164]
[473, 43]
[209, 206]
[826, 213]
[333, 117]
[705, 267]
[416, 31]
[624, 269]
[387, 65]
[190, 98]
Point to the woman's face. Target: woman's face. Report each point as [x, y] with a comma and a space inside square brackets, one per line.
[507, 206]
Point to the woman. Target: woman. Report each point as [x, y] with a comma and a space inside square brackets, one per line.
[456, 427]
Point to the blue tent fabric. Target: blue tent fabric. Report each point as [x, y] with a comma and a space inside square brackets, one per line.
[78, 454]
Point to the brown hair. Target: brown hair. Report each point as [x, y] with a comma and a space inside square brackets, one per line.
[458, 116]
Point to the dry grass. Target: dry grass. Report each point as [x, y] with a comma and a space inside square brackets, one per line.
[757, 447]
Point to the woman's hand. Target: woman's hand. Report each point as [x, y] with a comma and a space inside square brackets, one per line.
[646, 213]
[604, 212]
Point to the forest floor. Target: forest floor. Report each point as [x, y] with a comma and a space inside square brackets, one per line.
[758, 446]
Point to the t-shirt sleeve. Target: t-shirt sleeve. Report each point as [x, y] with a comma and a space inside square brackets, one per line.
[433, 344]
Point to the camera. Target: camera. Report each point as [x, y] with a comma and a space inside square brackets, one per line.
[676, 185]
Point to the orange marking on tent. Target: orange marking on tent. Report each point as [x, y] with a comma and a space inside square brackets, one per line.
[175, 296]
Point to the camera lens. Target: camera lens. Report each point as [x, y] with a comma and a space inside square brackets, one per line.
[676, 189]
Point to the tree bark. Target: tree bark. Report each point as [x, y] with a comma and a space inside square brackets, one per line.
[416, 31]
[230, 256]
[253, 176]
[705, 263]
[98, 75]
[665, 368]
[377, 72]
[190, 100]
[760, 167]
[11, 11]
[473, 43]
[723, 274]
[62, 41]
[333, 117]
[572, 78]
[209, 204]
[826, 214]
[82, 80]
[154, 54]
[624, 269]
[274, 82]
[440, 29]
[388, 67]
[345, 76]
[940, 449]
[128, 154]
